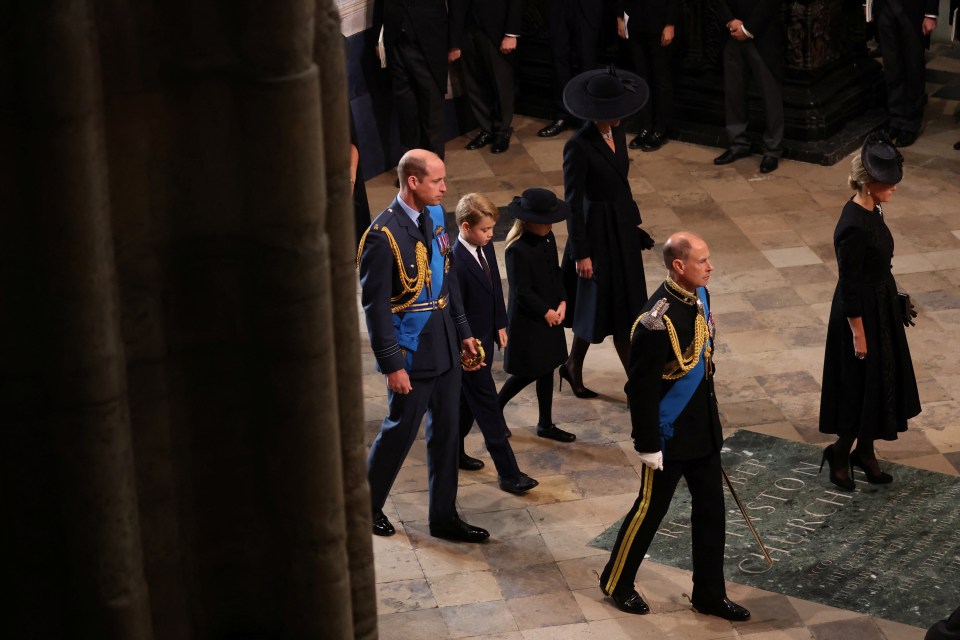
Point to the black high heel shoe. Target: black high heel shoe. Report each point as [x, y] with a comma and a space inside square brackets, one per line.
[581, 391]
[879, 478]
[847, 484]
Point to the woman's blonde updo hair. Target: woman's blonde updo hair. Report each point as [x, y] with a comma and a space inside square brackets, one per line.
[858, 177]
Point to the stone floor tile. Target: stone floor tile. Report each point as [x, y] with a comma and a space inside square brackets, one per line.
[482, 618]
[573, 542]
[861, 628]
[509, 553]
[791, 256]
[423, 624]
[545, 610]
[442, 557]
[465, 588]
[404, 595]
[398, 564]
[530, 580]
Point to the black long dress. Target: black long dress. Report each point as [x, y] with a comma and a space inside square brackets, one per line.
[533, 347]
[603, 225]
[870, 398]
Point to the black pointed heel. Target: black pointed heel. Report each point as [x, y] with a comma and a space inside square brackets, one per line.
[879, 478]
[581, 391]
[847, 484]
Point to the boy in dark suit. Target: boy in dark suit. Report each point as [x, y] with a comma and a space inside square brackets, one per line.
[475, 263]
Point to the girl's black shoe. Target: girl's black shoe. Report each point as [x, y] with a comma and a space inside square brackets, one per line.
[581, 391]
[847, 484]
[879, 478]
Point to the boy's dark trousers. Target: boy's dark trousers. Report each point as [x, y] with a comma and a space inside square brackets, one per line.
[478, 400]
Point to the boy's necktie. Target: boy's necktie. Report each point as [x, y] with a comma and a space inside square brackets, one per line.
[484, 265]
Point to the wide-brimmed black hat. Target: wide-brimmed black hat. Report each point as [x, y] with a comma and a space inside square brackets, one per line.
[540, 206]
[605, 94]
[881, 159]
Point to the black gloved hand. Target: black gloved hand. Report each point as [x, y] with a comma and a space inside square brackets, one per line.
[646, 242]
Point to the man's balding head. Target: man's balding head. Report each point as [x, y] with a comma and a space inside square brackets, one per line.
[677, 247]
[687, 258]
[422, 178]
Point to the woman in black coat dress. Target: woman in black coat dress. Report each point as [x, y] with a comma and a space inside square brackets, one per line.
[537, 305]
[602, 267]
[869, 388]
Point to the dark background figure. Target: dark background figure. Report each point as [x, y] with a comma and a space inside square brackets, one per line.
[487, 31]
[574, 27]
[903, 31]
[671, 374]
[649, 30]
[869, 388]
[416, 39]
[420, 357]
[361, 207]
[755, 49]
[602, 267]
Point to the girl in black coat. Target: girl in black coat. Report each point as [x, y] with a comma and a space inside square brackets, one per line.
[537, 305]
[869, 388]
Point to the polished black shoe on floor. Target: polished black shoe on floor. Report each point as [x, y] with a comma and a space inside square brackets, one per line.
[456, 529]
[520, 484]
[508, 433]
[768, 164]
[730, 155]
[873, 478]
[906, 138]
[654, 142]
[482, 140]
[631, 602]
[847, 484]
[554, 128]
[382, 526]
[470, 464]
[553, 432]
[500, 144]
[640, 139]
[723, 608]
[581, 391]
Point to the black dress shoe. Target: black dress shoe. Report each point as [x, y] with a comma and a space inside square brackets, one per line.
[631, 602]
[518, 485]
[500, 143]
[552, 432]
[482, 140]
[907, 138]
[730, 155]
[456, 529]
[382, 526]
[957, 146]
[768, 164]
[654, 142]
[507, 432]
[640, 139]
[723, 608]
[554, 128]
[470, 464]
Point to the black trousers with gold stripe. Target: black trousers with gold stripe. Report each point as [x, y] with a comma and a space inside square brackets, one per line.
[708, 526]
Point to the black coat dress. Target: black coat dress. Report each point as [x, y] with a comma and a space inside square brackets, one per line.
[870, 398]
[533, 347]
[603, 225]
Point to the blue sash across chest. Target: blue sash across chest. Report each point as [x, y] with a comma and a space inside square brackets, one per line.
[409, 324]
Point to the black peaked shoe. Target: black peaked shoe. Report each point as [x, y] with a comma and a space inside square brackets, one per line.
[482, 140]
[730, 155]
[768, 164]
[554, 128]
[640, 138]
[847, 484]
[581, 391]
[500, 143]
[456, 529]
[470, 464]
[723, 608]
[520, 484]
[879, 478]
[382, 526]
[631, 602]
[654, 142]
[552, 432]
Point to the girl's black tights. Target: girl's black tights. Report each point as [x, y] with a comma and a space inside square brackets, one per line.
[516, 384]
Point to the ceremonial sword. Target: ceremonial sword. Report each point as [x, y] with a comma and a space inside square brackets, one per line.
[753, 529]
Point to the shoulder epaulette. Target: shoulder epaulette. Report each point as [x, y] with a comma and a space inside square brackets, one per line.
[652, 320]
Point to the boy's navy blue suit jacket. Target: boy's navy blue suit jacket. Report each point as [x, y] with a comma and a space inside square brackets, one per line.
[482, 299]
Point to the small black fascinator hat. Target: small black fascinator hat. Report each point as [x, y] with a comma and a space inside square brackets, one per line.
[881, 159]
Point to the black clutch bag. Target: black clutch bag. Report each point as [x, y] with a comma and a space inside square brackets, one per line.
[907, 310]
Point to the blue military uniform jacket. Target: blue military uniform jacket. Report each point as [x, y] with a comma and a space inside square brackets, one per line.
[389, 270]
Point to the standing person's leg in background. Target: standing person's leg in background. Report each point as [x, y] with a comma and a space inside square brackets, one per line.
[419, 100]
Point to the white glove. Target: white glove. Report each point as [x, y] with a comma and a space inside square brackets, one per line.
[653, 460]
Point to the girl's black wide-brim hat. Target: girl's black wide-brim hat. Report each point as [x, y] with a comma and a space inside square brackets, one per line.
[881, 159]
[605, 94]
[540, 206]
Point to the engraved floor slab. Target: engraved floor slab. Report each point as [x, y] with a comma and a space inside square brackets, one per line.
[891, 551]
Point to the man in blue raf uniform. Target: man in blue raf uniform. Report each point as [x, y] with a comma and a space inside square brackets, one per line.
[414, 316]
[676, 430]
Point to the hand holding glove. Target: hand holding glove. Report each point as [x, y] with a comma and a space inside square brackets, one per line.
[653, 460]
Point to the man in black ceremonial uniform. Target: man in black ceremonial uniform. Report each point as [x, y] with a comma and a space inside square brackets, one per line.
[411, 301]
[676, 431]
